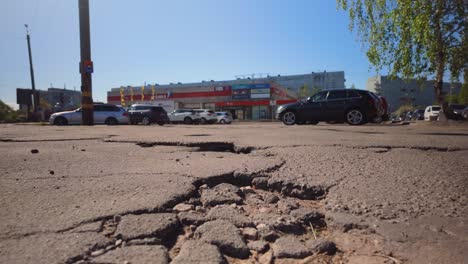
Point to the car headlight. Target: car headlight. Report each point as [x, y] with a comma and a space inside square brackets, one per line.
[279, 109]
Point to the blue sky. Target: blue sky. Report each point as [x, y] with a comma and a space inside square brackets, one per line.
[175, 41]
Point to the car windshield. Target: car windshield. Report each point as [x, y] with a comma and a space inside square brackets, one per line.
[317, 97]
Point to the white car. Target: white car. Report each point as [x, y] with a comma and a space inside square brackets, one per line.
[224, 117]
[103, 114]
[432, 112]
[185, 116]
[206, 116]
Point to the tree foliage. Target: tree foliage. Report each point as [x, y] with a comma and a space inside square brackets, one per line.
[413, 38]
[7, 114]
[315, 89]
[404, 108]
[304, 91]
[462, 97]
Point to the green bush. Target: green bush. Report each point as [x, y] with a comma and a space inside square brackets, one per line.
[404, 108]
[8, 115]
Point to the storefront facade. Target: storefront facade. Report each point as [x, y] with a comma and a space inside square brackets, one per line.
[245, 101]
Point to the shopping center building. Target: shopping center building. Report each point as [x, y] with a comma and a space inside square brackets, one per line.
[245, 98]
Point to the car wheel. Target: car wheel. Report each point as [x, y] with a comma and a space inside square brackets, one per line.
[187, 120]
[111, 121]
[60, 121]
[355, 117]
[203, 121]
[146, 121]
[222, 121]
[289, 118]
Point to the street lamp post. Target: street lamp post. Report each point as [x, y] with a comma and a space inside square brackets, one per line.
[35, 99]
[86, 64]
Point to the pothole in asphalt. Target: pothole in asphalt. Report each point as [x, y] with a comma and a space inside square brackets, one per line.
[202, 146]
[232, 217]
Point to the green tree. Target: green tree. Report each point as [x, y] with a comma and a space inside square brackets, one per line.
[303, 91]
[413, 38]
[404, 108]
[315, 89]
[463, 95]
[452, 99]
[7, 114]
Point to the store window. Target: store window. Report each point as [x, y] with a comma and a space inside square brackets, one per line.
[210, 106]
[260, 112]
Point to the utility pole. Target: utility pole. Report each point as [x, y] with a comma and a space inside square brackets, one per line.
[35, 99]
[86, 64]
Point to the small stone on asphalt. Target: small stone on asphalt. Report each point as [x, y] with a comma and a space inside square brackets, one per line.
[321, 245]
[290, 247]
[182, 207]
[259, 246]
[224, 235]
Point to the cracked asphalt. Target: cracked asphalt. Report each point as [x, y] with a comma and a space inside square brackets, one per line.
[388, 194]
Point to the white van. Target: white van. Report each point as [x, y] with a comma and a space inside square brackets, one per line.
[432, 112]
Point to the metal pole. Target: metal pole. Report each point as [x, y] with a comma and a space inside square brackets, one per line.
[35, 99]
[86, 65]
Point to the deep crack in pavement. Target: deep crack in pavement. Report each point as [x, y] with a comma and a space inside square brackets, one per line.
[255, 193]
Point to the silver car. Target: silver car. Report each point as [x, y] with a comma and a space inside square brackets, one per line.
[206, 116]
[224, 117]
[186, 116]
[103, 114]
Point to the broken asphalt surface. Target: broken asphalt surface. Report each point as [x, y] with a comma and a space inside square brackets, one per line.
[243, 192]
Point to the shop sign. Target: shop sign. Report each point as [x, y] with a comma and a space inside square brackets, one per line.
[241, 94]
[251, 91]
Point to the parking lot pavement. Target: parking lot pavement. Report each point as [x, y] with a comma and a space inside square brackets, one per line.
[378, 193]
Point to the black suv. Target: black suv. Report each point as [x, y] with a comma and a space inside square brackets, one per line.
[147, 114]
[354, 106]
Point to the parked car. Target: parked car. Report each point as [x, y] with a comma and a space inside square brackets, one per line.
[356, 107]
[396, 119]
[186, 116]
[206, 116]
[432, 112]
[224, 117]
[465, 113]
[408, 116]
[147, 114]
[418, 114]
[386, 115]
[108, 114]
[455, 111]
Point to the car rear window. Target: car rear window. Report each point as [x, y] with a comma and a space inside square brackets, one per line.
[373, 96]
[158, 109]
[353, 94]
[436, 108]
